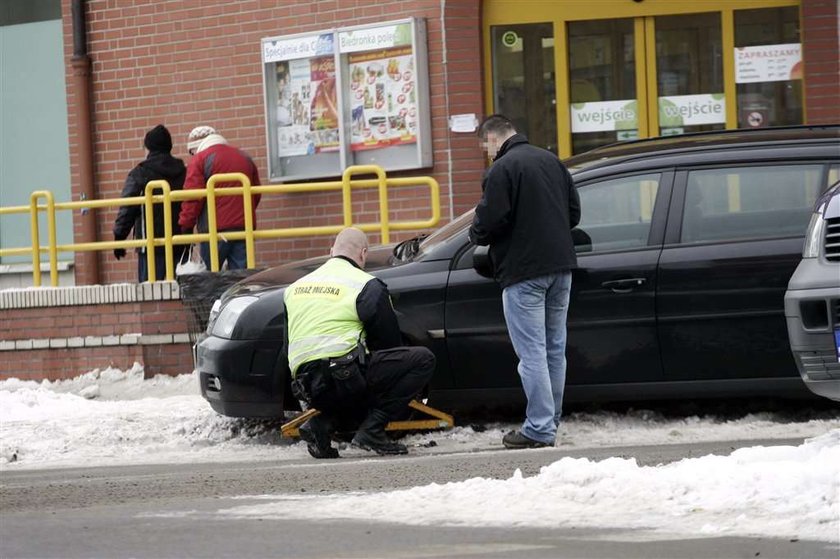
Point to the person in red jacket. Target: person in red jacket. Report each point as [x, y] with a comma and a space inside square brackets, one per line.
[211, 155]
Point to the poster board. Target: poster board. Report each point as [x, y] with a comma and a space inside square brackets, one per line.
[301, 100]
[348, 96]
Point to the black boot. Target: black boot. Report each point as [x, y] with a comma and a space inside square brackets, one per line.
[371, 435]
[317, 432]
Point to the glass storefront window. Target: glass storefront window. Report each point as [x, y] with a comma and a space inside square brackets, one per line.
[523, 80]
[768, 63]
[602, 76]
[689, 73]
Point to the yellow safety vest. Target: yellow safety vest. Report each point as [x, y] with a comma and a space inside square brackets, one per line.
[321, 312]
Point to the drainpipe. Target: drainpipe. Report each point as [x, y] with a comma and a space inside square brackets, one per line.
[87, 262]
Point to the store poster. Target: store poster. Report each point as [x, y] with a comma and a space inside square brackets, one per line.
[383, 100]
[604, 116]
[307, 117]
[768, 63]
[692, 110]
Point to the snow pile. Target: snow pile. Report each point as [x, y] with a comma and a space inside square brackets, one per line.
[112, 417]
[762, 491]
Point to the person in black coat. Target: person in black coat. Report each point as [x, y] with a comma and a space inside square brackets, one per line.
[527, 210]
[158, 165]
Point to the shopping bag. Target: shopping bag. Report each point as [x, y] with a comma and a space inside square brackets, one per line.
[191, 262]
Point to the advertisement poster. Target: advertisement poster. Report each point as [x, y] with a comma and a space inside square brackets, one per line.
[383, 99]
[768, 63]
[603, 116]
[307, 118]
[691, 110]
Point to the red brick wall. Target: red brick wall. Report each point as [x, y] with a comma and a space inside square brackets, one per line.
[147, 318]
[190, 63]
[822, 61]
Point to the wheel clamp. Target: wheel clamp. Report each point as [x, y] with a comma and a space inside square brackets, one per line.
[440, 420]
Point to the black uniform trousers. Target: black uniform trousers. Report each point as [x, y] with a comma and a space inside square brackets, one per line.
[393, 377]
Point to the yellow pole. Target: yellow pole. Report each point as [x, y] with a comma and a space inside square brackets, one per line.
[150, 229]
[347, 204]
[652, 87]
[52, 239]
[36, 240]
[641, 77]
[211, 222]
[382, 183]
[384, 220]
[730, 90]
[247, 204]
[150, 234]
[36, 237]
[167, 230]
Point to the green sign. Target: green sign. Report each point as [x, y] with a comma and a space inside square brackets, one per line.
[509, 38]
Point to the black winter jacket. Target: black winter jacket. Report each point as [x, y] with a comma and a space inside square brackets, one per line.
[157, 165]
[527, 210]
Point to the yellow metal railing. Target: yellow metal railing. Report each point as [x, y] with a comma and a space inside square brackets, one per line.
[166, 196]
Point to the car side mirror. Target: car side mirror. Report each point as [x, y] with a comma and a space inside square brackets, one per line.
[482, 263]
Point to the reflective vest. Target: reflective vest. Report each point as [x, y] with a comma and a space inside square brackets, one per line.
[321, 312]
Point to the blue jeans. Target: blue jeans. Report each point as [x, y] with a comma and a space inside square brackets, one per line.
[231, 251]
[535, 313]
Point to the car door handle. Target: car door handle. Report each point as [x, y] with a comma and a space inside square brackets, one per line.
[624, 285]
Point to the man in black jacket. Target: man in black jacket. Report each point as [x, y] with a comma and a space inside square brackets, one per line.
[158, 165]
[527, 210]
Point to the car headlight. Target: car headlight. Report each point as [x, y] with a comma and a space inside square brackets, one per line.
[229, 314]
[214, 314]
[814, 236]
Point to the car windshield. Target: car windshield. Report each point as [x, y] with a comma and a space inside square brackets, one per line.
[446, 232]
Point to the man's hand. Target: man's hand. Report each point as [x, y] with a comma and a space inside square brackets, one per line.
[119, 253]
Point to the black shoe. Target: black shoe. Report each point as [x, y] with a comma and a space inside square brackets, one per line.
[317, 432]
[515, 439]
[381, 445]
[371, 435]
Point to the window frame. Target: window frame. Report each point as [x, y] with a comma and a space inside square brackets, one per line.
[676, 212]
[659, 213]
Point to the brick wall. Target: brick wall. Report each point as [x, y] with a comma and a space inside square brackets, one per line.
[190, 63]
[64, 332]
[821, 46]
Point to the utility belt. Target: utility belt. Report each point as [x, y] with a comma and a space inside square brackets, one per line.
[333, 384]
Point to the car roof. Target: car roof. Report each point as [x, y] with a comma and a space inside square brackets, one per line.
[701, 141]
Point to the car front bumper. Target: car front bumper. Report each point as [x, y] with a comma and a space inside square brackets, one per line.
[241, 378]
[812, 316]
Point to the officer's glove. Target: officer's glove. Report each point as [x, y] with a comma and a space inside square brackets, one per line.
[119, 253]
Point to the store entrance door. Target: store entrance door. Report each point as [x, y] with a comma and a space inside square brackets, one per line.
[620, 79]
[639, 77]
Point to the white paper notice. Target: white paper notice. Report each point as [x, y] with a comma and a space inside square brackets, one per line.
[768, 63]
[463, 123]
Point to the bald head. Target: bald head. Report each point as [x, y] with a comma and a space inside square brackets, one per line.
[351, 243]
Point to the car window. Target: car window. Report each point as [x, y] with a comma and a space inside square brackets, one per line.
[749, 202]
[616, 214]
[448, 231]
[833, 174]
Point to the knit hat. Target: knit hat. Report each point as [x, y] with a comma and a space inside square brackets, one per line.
[158, 139]
[197, 135]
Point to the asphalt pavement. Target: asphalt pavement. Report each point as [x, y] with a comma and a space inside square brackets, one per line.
[171, 511]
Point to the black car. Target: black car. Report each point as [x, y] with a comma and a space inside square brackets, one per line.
[685, 248]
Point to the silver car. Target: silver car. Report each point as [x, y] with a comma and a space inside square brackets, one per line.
[812, 301]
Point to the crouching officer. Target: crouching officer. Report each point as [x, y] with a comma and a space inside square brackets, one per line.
[343, 344]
